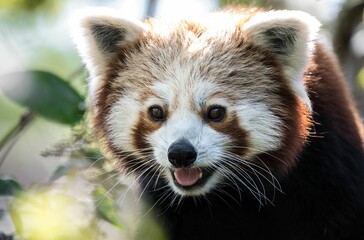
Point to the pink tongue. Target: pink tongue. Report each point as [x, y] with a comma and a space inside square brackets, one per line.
[187, 176]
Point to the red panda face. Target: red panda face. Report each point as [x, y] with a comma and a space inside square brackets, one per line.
[199, 103]
[205, 118]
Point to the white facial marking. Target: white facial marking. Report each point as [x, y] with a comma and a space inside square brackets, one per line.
[163, 91]
[124, 114]
[203, 93]
[263, 126]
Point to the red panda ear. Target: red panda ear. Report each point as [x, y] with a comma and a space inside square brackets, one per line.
[97, 33]
[290, 36]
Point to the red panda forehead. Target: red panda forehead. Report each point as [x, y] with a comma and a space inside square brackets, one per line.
[210, 56]
[208, 31]
[220, 44]
[209, 70]
[195, 95]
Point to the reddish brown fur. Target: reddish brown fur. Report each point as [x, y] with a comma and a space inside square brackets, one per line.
[231, 128]
[106, 96]
[330, 95]
[142, 129]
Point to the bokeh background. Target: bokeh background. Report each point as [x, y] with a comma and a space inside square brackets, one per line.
[37, 57]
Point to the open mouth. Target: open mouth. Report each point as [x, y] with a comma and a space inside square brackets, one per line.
[191, 178]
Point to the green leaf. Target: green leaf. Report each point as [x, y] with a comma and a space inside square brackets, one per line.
[105, 207]
[360, 79]
[9, 187]
[261, 3]
[150, 228]
[45, 94]
[2, 214]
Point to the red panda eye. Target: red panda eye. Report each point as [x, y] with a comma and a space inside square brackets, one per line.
[156, 113]
[216, 113]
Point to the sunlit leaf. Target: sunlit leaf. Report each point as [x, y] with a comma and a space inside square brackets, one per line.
[45, 94]
[2, 214]
[360, 79]
[62, 170]
[106, 208]
[30, 5]
[149, 227]
[243, 2]
[53, 216]
[9, 187]
[21, 4]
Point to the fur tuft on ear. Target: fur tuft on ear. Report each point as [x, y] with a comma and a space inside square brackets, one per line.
[290, 36]
[97, 33]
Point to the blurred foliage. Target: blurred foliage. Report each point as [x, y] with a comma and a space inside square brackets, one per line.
[261, 3]
[31, 7]
[61, 62]
[26, 5]
[44, 214]
[149, 228]
[348, 26]
[360, 78]
[80, 145]
[106, 206]
[9, 140]
[45, 94]
[9, 187]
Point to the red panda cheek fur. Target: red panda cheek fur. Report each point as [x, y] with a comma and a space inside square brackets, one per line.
[288, 107]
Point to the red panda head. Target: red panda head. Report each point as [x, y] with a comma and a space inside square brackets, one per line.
[198, 102]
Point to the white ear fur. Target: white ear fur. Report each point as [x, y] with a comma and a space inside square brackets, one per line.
[290, 35]
[97, 32]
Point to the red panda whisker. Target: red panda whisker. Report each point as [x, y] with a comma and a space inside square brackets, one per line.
[130, 187]
[100, 199]
[112, 176]
[266, 169]
[263, 168]
[165, 196]
[236, 161]
[236, 167]
[147, 184]
[137, 165]
[163, 169]
[230, 178]
[259, 151]
[149, 164]
[225, 193]
[246, 180]
[95, 162]
[99, 172]
[174, 199]
[136, 180]
[257, 168]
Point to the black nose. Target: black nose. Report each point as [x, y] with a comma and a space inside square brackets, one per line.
[181, 153]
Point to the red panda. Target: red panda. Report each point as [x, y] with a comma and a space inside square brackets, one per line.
[238, 124]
